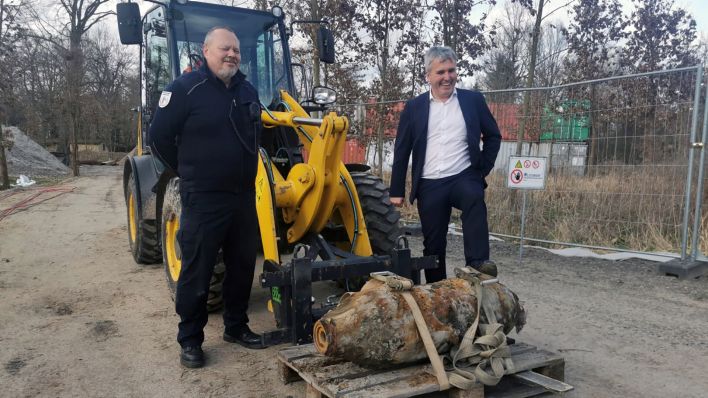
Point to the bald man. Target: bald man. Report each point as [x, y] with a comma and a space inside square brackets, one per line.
[206, 129]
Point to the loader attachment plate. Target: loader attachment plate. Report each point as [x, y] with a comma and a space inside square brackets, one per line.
[291, 283]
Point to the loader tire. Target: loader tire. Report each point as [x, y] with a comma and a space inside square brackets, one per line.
[172, 255]
[142, 234]
[380, 215]
[381, 218]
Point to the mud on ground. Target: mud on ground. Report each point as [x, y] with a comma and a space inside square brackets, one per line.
[79, 318]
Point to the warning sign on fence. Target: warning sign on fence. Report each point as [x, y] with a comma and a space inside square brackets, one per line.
[526, 173]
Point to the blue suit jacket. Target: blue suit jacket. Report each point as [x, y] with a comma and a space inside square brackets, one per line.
[412, 136]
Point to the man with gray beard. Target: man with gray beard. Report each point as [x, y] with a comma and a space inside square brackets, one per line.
[206, 129]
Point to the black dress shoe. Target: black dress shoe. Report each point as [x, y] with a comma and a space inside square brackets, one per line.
[245, 337]
[488, 267]
[192, 357]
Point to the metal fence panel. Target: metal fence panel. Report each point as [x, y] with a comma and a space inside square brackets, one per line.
[620, 151]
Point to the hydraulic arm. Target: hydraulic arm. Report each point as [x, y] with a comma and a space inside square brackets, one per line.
[313, 191]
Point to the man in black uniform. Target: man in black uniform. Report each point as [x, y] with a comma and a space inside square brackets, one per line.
[206, 129]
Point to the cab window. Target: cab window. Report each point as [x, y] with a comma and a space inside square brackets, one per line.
[157, 63]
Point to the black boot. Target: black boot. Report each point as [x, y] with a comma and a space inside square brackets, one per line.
[244, 336]
[192, 357]
[488, 267]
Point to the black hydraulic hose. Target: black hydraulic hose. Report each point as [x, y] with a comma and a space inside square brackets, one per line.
[256, 122]
[356, 214]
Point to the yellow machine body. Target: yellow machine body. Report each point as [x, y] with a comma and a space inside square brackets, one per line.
[313, 193]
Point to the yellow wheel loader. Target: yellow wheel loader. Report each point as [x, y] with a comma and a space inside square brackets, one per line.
[335, 220]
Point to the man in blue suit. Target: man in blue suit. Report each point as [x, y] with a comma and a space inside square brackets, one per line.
[444, 128]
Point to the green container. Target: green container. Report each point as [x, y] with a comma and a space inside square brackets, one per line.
[569, 122]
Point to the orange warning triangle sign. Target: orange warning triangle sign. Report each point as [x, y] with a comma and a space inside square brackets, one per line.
[518, 164]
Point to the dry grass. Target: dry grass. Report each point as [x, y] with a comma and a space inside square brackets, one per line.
[615, 210]
[637, 209]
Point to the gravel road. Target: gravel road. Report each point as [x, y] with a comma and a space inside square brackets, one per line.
[79, 318]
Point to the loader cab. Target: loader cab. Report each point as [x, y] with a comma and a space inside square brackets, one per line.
[171, 35]
[172, 45]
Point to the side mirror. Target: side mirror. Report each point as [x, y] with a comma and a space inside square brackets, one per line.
[130, 26]
[322, 95]
[325, 44]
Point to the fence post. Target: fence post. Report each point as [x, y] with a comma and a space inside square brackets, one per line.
[699, 186]
[379, 137]
[689, 174]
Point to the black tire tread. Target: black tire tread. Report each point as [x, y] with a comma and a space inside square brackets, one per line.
[382, 218]
[146, 248]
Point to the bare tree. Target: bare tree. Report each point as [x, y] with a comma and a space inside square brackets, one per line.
[343, 75]
[454, 28]
[82, 16]
[109, 68]
[533, 56]
[76, 18]
[503, 65]
[39, 92]
[594, 37]
[383, 22]
[4, 143]
[11, 14]
[552, 50]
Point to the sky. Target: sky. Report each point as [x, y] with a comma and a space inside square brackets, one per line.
[697, 8]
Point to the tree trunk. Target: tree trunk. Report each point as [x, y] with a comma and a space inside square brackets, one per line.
[315, 15]
[384, 94]
[530, 77]
[73, 89]
[380, 137]
[4, 177]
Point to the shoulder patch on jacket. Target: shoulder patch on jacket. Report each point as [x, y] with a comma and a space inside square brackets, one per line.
[165, 99]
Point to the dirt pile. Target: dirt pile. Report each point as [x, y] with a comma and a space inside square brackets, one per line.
[31, 159]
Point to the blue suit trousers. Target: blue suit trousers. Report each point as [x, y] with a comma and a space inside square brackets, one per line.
[435, 199]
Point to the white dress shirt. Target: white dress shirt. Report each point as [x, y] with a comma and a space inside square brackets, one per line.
[446, 152]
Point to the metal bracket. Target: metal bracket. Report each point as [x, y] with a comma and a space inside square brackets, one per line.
[291, 284]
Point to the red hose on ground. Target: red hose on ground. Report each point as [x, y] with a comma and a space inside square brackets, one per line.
[32, 200]
[8, 194]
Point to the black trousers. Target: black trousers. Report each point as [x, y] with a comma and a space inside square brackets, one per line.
[436, 198]
[211, 221]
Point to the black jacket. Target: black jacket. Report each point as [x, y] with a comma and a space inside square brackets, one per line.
[412, 137]
[208, 133]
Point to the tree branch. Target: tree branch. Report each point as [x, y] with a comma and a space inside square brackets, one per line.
[556, 9]
[50, 40]
[551, 55]
[99, 17]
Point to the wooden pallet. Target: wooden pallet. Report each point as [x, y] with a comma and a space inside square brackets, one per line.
[535, 371]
